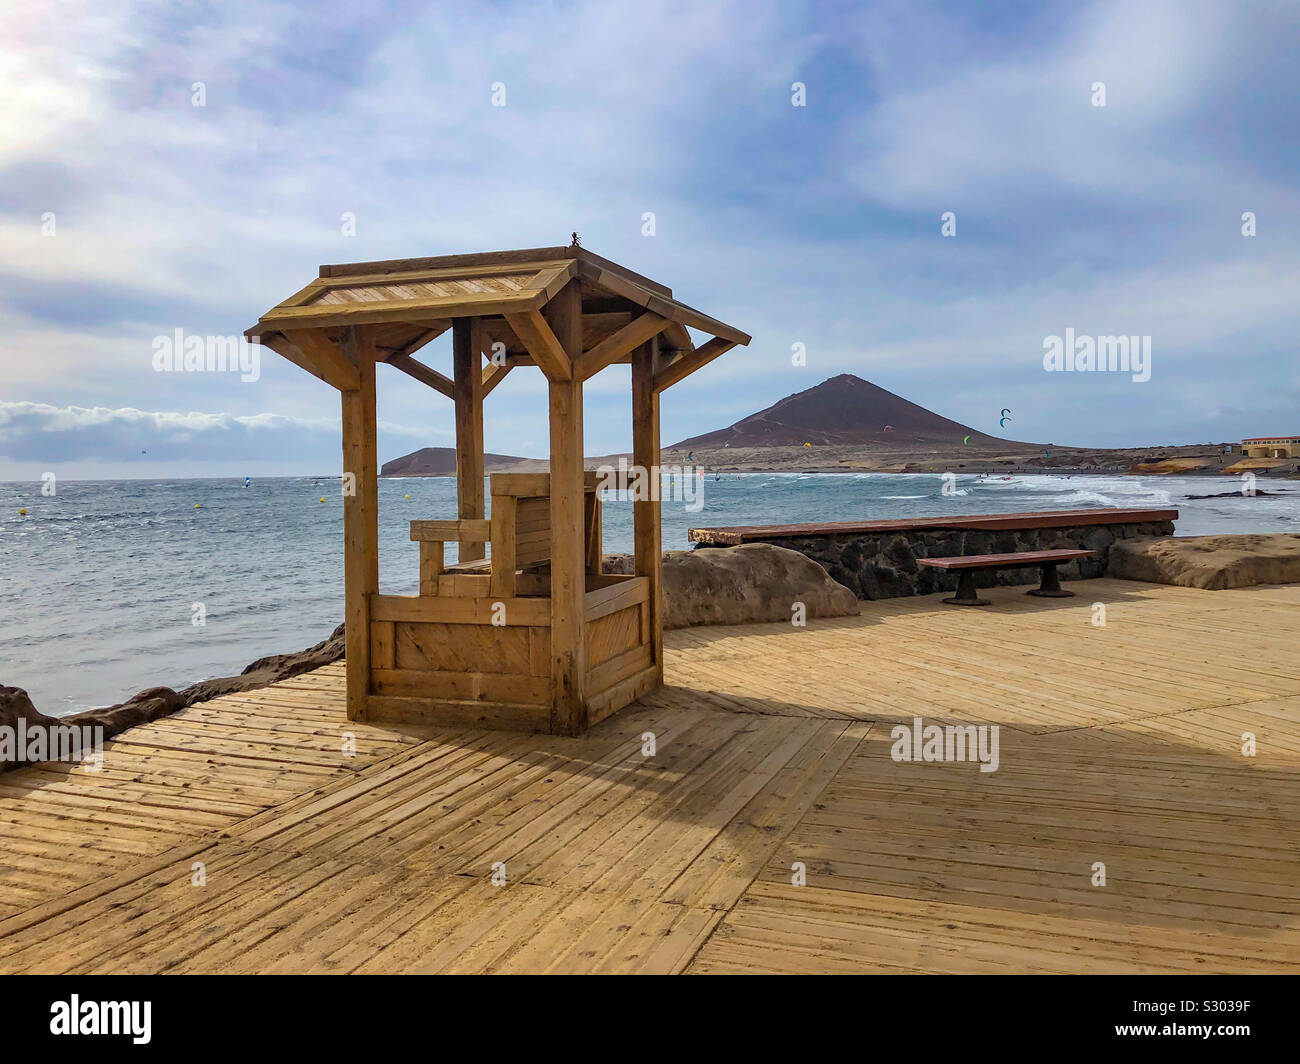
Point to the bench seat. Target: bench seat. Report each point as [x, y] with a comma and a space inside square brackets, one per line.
[966, 568]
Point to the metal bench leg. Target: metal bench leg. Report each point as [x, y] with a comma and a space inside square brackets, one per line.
[966, 595]
[1051, 584]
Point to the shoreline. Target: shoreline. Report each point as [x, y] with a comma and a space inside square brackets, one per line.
[152, 703]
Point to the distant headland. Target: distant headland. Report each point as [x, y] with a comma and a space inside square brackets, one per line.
[849, 425]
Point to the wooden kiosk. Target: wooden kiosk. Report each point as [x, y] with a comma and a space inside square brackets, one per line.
[523, 631]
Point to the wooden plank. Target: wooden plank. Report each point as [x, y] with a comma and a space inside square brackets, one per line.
[670, 308]
[482, 262]
[621, 343]
[360, 515]
[463, 686]
[618, 668]
[382, 644]
[567, 482]
[647, 531]
[618, 596]
[612, 699]
[535, 332]
[447, 712]
[1005, 561]
[450, 531]
[494, 375]
[329, 365]
[334, 279]
[422, 373]
[519, 611]
[735, 535]
[328, 315]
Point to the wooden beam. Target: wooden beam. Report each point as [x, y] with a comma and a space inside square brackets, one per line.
[568, 546]
[676, 338]
[690, 362]
[494, 375]
[468, 384]
[497, 330]
[615, 347]
[647, 533]
[596, 326]
[532, 328]
[449, 531]
[424, 374]
[312, 351]
[665, 305]
[426, 308]
[360, 516]
[432, 330]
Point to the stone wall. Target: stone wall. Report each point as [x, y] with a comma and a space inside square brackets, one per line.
[876, 565]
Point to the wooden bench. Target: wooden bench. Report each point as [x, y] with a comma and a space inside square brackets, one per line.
[967, 567]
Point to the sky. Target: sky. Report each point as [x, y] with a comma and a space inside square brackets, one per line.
[187, 166]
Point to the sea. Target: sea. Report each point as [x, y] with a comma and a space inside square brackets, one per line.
[108, 587]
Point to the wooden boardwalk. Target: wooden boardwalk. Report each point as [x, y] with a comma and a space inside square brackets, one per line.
[237, 836]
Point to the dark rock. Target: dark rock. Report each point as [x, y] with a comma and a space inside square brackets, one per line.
[15, 706]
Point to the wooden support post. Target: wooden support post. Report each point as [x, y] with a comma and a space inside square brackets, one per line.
[592, 522]
[647, 532]
[431, 565]
[504, 510]
[468, 385]
[568, 545]
[360, 515]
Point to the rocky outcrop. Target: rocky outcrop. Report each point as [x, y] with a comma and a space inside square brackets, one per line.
[1210, 562]
[743, 585]
[883, 564]
[16, 706]
[155, 702]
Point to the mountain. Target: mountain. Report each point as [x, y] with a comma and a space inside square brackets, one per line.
[441, 462]
[843, 410]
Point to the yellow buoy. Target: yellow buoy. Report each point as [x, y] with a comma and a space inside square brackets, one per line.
[322, 498]
[196, 506]
[22, 512]
[408, 495]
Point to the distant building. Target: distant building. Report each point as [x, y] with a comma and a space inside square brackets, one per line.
[1272, 447]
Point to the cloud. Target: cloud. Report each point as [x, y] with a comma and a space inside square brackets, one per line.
[40, 433]
[818, 225]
